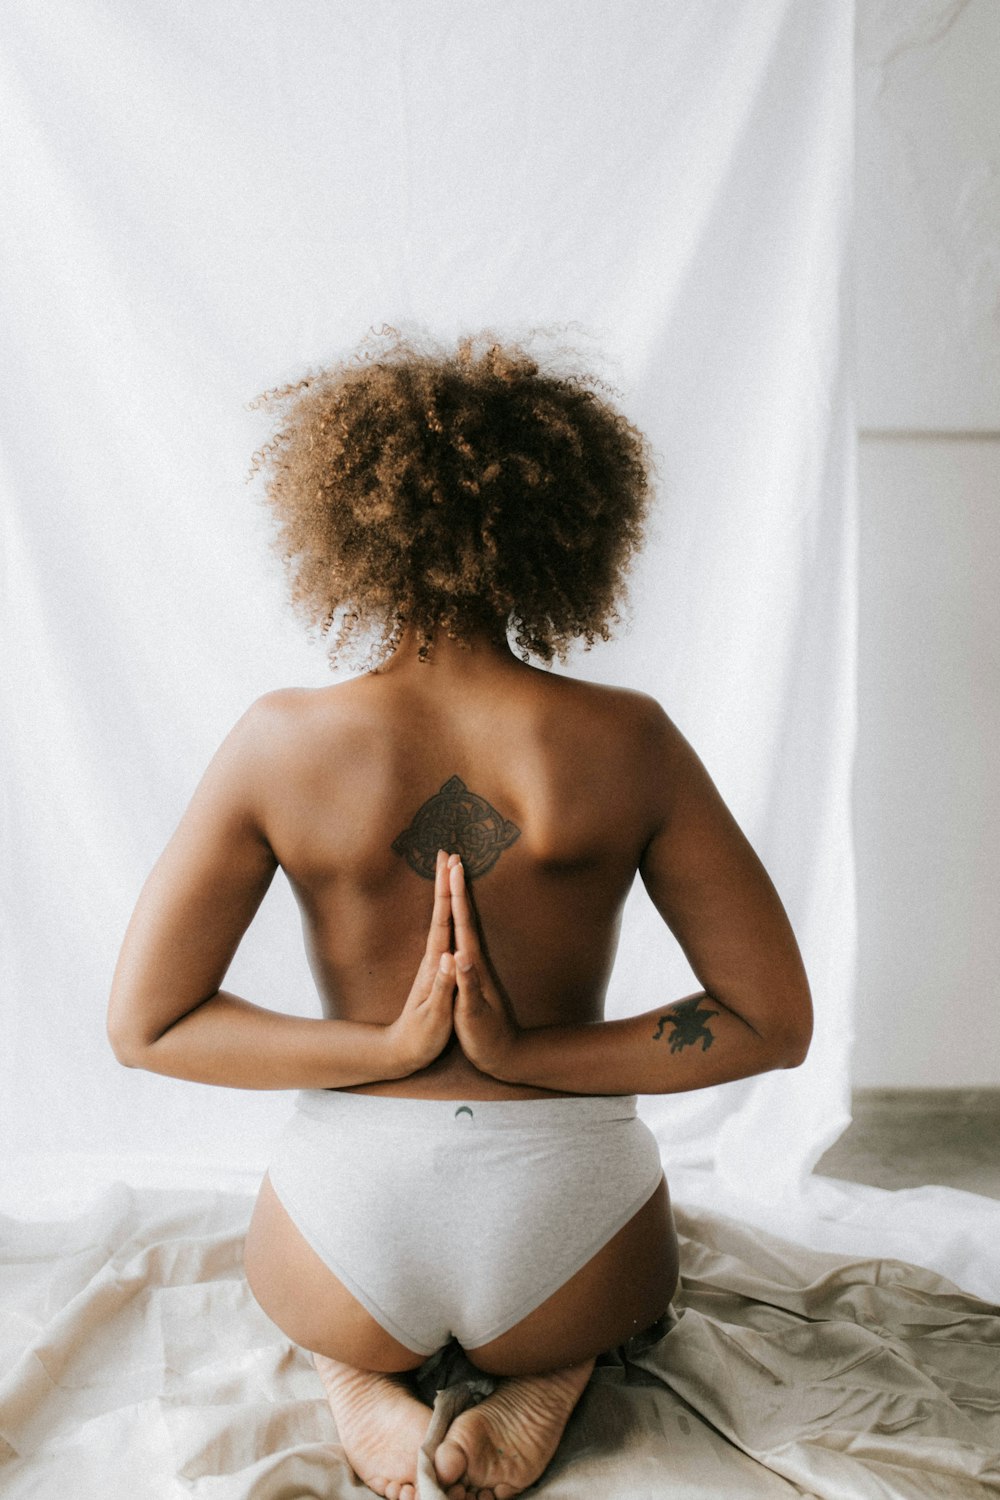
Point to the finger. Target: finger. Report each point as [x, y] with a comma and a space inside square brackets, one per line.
[470, 984]
[443, 985]
[439, 935]
[466, 932]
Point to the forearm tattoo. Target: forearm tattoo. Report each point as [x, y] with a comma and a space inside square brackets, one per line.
[688, 1019]
[460, 822]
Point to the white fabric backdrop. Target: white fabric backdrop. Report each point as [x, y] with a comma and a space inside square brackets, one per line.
[200, 202]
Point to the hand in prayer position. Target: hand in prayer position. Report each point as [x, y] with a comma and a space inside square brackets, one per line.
[424, 1025]
[484, 1022]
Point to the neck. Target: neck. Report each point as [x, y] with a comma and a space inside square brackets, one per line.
[483, 651]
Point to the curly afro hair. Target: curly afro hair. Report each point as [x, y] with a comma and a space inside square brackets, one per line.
[462, 492]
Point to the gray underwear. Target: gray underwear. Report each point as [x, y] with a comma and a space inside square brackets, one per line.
[448, 1219]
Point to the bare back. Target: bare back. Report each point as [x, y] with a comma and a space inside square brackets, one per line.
[543, 782]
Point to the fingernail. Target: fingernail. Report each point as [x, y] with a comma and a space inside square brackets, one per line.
[465, 964]
[445, 963]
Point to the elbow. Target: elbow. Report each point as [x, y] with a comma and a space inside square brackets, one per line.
[796, 1037]
[130, 1046]
[128, 1051]
[117, 1028]
[127, 1028]
[796, 1049]
[136, 1046]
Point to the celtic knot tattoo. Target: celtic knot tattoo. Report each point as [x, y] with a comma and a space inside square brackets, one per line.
[461, 822]
[688, 1020]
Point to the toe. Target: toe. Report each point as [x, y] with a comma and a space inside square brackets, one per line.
[450, 1461]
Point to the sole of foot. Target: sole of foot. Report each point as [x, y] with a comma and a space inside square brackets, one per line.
[495, 1450]
[381, 1425]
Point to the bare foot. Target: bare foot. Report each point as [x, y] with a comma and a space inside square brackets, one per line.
[496, 1449]
[381, 1425]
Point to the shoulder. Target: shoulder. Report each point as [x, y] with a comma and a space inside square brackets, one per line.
[270, 733]
[631, 716]
[289, 737]
[628, 736]
[651, 748]
[659, 755]
[268, 724]
[269, 756]
[285, 716]
[281, 708]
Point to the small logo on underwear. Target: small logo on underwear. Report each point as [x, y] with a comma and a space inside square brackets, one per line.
[463, 1109]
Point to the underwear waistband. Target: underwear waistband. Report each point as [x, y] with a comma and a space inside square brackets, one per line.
[390, 1112]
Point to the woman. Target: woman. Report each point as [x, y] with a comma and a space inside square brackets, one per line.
[465, 1161]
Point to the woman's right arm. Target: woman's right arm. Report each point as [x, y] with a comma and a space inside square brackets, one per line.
[754, 1012]
[167, 1013]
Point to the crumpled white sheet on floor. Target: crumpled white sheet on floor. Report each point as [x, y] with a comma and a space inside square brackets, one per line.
[135, 1362]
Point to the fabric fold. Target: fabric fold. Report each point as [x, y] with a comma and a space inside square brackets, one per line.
[136, 1361]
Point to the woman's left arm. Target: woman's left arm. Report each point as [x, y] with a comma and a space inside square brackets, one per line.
[754, 1012]
[167, 1014]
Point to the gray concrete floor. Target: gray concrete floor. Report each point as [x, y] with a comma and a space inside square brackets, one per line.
[903, 1138]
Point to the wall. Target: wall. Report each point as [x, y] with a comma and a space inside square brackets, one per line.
[927, 798]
